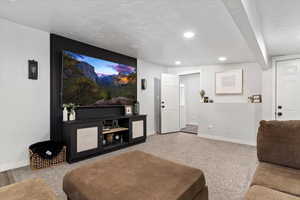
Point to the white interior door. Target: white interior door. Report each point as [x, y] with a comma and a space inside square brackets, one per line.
[182, 106]
[170, 112]
[288, 90]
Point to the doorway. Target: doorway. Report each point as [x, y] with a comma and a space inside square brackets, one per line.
[287, 90]
[189, 102]
[170, 112]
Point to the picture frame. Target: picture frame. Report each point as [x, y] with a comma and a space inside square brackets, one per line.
[229, 82]
[257, 98]
[128, 109]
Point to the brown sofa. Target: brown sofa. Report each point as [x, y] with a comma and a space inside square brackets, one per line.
[32, 189]
[135, 176]
[277, 176]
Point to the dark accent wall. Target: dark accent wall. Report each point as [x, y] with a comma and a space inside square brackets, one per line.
[57, 45]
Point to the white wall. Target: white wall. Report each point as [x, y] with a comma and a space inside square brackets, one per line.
[252, 80]
[235, 122]
[268, 81]
[230, 118]
[149, 98]
[25, 104]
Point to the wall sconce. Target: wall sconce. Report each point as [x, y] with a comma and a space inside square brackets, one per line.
[32, 69]
[144, 84]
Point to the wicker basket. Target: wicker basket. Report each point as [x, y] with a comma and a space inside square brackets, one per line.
[36, 162]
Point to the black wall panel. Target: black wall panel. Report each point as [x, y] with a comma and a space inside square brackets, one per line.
[57, 45]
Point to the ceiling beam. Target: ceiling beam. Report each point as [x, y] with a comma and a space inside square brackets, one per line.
[247, 19]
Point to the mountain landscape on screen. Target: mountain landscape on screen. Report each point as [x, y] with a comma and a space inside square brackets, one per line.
[91, 81]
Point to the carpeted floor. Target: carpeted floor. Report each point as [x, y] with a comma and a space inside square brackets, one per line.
[228, 167]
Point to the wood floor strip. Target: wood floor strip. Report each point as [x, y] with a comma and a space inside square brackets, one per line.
[6, 178]
[10, 177]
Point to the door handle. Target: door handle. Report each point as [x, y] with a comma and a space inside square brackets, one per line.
[279, 114]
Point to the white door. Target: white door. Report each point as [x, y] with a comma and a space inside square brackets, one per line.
[288, 90]
[169, 103]
[182, 106]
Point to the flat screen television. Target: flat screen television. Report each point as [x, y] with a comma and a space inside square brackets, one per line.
[92, 82]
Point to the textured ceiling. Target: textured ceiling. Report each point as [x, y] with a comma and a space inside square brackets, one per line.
[281, 25]
[150, 30]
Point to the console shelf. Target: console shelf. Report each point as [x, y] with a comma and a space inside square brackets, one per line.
[86, 138]
[114, 130]
[116, 145]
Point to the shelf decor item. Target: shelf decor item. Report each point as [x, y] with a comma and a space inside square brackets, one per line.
[205, 100]
[229, 82]
[136, 108]
[128, 110]
[115, 124]
[257, 98]
[70, 107]
[110, 138]
[202, 95]
[65, 114]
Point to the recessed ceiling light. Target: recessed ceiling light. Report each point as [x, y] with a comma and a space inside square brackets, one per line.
[177, 62]
[222, 59]
[189, 34]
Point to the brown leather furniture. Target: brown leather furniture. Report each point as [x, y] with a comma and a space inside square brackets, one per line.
[32, 189]
[135, 176]
[277, 176]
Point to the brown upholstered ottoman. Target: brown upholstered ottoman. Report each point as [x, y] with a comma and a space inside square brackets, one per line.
[33, 189]
[135, 176]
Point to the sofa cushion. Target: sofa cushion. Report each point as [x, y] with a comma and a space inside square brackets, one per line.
[278, 142]
[278, 178]
[133, 175]
[262, 193]
[33, 189]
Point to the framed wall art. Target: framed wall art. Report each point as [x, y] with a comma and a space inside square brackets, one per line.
[229, 82]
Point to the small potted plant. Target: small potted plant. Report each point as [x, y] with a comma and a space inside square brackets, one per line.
[69, 110]
[202, 94]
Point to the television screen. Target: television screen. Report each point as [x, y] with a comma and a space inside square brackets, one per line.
[91, 81]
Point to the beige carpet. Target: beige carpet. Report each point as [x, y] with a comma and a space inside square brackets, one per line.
[228, 167]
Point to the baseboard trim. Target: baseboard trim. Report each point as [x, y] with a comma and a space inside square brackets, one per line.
[10, 166]
[224, 139]
[152, 133]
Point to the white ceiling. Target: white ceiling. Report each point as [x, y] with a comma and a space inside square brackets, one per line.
[148, 29]
[281, 25]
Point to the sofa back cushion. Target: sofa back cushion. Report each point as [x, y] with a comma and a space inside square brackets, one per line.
[278, 142]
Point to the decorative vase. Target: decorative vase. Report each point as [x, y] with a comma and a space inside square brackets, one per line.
[65, 114]
[136, 108]
[72, 116]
